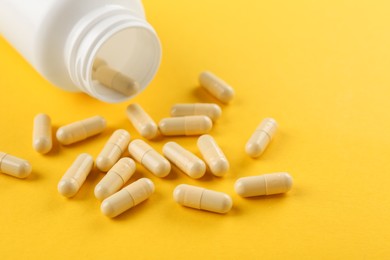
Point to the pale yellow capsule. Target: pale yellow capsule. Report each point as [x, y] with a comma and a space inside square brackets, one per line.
[75, 176]
[115, 178]
[80, 130]
[149, 158]
[213, 111]
[261, 137]
[201, 198]
[213, 155]
[14, 166]
[186, 161]
[42, 138]
[141, 121]
[186, 125]
[98, 62]
[127, 198]
[113, 149]
[115, 80]
[266, 184]
[216, 87]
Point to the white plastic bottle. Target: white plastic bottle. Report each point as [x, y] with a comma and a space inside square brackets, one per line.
[62, 38]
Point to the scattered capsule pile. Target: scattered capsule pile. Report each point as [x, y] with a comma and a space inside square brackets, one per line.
[186, 120]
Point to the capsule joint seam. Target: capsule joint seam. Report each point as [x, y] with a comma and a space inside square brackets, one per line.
[200, 199]
[131, 197]
[84, 128]
[266, 186]
[1, 161]
[75, 181]
[123, 181]
[120, 149]
[269, 137]
[143, 156]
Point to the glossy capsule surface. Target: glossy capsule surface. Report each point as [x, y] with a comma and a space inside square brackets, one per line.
[115, 178]
[149, 158]
[201, 198]
[216, 86]
[75, 176]
[213, 155]
[112, 150]
[266, 184]
[186, 161]
[42, 136]
[213, 111]
[127, 197]
[262, 136]
[80, 130]
[186, 125]
[14, 166]
[141, 121]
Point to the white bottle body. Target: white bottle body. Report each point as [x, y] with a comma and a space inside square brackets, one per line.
[62, 38]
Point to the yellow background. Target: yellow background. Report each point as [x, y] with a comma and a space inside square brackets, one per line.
[320, 68]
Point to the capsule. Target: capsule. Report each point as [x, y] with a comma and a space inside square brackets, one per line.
[213, 155]
[261, 137]
[186, 125]
[267, 184]
[113, 149]
[96, 64]
[115, 80]
[75, 176]
[213, 111]
[81, 130]
[115, 178]
[216, 87]
[186, 161]
[149, 158]
[42, 138]
[14, 166]
[141, 121]
[201, 198]
[127, 197]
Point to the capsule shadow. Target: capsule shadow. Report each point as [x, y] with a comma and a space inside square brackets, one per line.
[55, 150]
[208, 176]
[138, 174]
[88, 187]
[235, 211]
[202, 94]
[157, 139]
[174, 173]
[192, 211]
[268, 197]
[34, 176]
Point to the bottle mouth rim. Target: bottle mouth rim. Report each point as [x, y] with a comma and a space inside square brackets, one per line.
[86, 40]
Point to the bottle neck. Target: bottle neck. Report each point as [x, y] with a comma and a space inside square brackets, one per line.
[124, 42]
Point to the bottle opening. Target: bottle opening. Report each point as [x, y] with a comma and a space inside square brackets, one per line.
[114, 56]
[125, 64]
